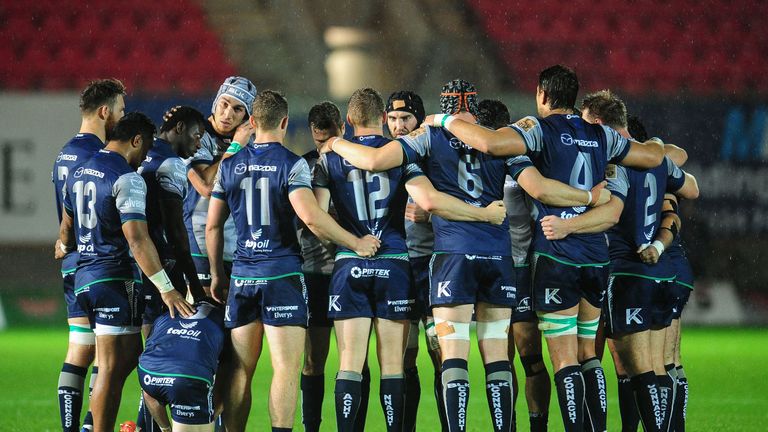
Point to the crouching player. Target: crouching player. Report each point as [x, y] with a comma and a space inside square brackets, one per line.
[178, 365]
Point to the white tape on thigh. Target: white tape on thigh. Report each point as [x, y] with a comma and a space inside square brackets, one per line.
[81, 334]
[451, 330]
[108, 330]
[493, 329]
[588, 329]
[554, 325]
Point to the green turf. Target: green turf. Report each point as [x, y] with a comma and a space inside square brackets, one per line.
[726, 370]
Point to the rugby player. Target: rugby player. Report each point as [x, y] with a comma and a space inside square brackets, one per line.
[178, 365]
[227, 124]
[470, 269]
[378, 289]
[265, 187]
[102, 104]
[165, 174]
[639, 282]
[324, 122]
[104, 219]
[525, 336]
[405, 112]
[568, 276]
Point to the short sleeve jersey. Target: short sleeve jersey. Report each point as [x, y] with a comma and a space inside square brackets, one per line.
[367, 202]
[101, 195]
[187, 347]
[575, 152]
[643, 194]
[256, 183]
[76, 151]
[419, 237]
[469, 175]
[166, 177]
[518, 206]
[212, 147]
[318, 258]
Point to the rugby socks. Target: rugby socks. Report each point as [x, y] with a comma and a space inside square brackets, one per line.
[647, 396]
[347, 393]
[278, 429]
[412, 396]
[392, 397]
[71, 385]
[570, 394]
[630, 418]
[455, 379]
[312, 390]
[438, 389]
[681, 401]
[365, 394]
[499, 391]
[666, 388]
[538, 421]
[595, 396]
[88, 421]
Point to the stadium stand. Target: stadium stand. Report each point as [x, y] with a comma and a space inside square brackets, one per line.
[157, 46]
[651, 47]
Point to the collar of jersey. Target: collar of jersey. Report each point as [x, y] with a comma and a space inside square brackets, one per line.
[90, 136]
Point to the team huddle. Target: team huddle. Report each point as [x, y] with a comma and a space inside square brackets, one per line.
[208, 235]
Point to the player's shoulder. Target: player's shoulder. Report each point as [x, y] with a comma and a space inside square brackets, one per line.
[311, 156]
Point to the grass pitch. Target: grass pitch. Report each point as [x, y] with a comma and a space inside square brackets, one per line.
[725, 367]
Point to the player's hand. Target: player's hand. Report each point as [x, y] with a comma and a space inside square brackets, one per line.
[648, 254]
[554, 228]
[327, 146]
[600, 195]
[243, 133]
[176, 303]
[428, 120]
[367, 246]
[58, 252]
[219, 288]
[167, 115]
[414, 213]
[497, 212]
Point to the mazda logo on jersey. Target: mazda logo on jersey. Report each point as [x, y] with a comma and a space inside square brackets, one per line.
[137, 182]
[240, 168]
[78, 173]
[566, 139]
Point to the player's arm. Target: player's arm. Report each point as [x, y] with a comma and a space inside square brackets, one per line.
[555, 193]
[669, 228]
[677, 154]
[218, 212]
[367, 158]
[690, 187]
[201, 176]
[325, 227]
[448, 207]
[501, 142]
[596, 220]
[173, 222]
[66, 241]
[644, 155]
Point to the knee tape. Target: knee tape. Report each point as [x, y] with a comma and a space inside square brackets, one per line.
[451, 330]
[493, 329]
[413, 335]
[554, 325]
[81, 334]
[429, 329]
[587, 329]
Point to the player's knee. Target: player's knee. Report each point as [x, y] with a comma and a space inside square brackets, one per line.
[533, 364]
[81, 334]
[431, 334]
[587, 329]
[554, 325]
[451, 330]
[498, 330]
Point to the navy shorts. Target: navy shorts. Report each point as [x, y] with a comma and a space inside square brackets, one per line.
[318, 286]
[558, 286]
[372, 288]
[74, 310]
[469, 279]
[523, 311]
[203, 267]
[635, 304]
[114, 306]
[681, 294]
[420, 274]
[190, 399]
[275, 301]
[153, 302]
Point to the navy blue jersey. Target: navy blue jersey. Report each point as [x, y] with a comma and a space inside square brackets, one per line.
[318, 257]
[469, 175]
[255, 183]
[643, 194]
[575, 152]
[76, 151]
[166, 177]
[101, 195]
[188, 347]
[367, 202]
